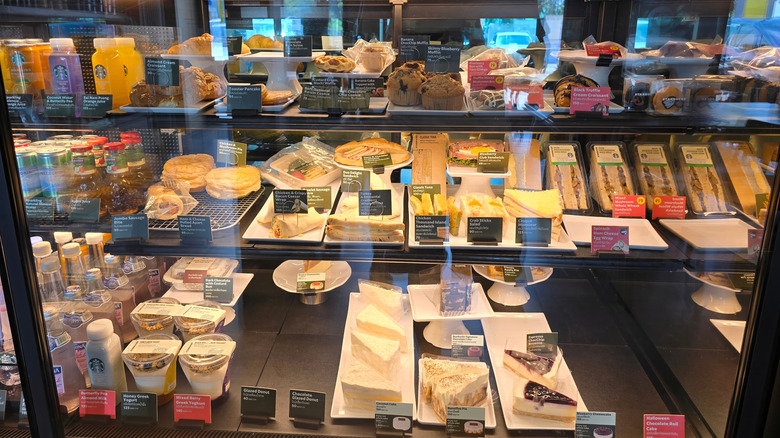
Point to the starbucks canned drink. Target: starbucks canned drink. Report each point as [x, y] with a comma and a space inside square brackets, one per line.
[56, 175]
[19, 136]
[27, 162]
[21, 142]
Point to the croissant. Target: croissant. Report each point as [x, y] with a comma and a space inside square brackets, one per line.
[194, 46]
[198, 85]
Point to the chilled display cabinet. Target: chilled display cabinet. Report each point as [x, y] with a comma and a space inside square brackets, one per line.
[389, 218]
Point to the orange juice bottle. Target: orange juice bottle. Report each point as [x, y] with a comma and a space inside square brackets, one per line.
[5, 65]
[132, 60]
[25, 69]
[109, 71]
[42, 51]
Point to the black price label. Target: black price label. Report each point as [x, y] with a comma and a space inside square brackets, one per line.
[393, 417]
[431, 189]
[366, 83]
[59, 105]
[234, 45]
[159, 71]
[319, 99]
[493, 162]
[258, 402]
[743, 281]
[297, 46]
[41, 209]
[375, 202]
[533, 230]
[543, 344]
[369, 161]
[84, 210]
[195, 228]
[130, 226]
[442, 59]
[319, 197]
[413, 47]
[139, 407]
[19, 104]
[431, 228]
[231, 153]
[244, 97]
[307, 405]
[353, 100]
[355, 180]
[325, 82]
[517, 274]
[465, 421]
[219, 289]
[484, 229]
[96, 105]
[291, 201]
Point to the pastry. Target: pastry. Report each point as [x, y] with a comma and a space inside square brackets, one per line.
[263, 42]
[373, 321]
[277, 97]
[351, 153]
[381, 354]
[637, 97]
[432, 369]
[442, 92]
[453, 296]
[668, 100]
[232, 182]
[163, 202]
[705, 189]
[198, 85]
[374, 57]
[745, 173]
[335, 64]
[529, 366]
[489, 99]
[466, 152]
[190, 168]
[362, 387]
[543, 203]
[200, 45]
[385, 297]
[461, 387]
[284, 226]
[562, 89]
[536, 400]
[609, 175]
[654, 175]
[565, 174]
[403, 85]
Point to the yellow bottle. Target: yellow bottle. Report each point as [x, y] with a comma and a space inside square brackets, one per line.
[132, 60]
[108, 71]
[42, 51]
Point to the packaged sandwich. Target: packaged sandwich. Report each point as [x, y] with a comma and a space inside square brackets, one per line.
[169, 199]
[704, 187]
[745, 173]
[609, 173]
[654, 173]
[465, 153]
[566, 173]
[305, 164]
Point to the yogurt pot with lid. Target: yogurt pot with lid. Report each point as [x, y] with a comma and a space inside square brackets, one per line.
[155, 316]
[152, 361]
[206, 361]
[200, 318]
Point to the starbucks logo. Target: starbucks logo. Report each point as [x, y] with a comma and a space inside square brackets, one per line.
[101, 72]
[17, 59]
[61, 72]
[125, 67]
[96, 365]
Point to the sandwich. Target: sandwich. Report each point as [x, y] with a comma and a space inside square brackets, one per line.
[566, 175]
[654, 175]
[705, 189]
[544, 203]
[290, 225]
[352, 153]
[609, 175]
[425, 205]
[744, 172]
[465, 152]
[455, 214]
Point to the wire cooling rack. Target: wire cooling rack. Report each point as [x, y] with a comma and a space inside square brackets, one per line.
[223, 214]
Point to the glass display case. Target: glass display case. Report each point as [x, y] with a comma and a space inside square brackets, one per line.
[386, 218]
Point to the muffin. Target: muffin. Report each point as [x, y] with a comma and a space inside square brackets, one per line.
[442, 92]
[403, 85]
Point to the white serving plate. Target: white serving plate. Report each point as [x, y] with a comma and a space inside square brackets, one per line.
[711, 234]
[517, 325]
[376, 105]
[418, 110]
[426, 415]
[329, 241]
[240, 282]
[733, 331]
[641, 234]
[338, 408]
[204, 105]
[286, 275]
[424, 310]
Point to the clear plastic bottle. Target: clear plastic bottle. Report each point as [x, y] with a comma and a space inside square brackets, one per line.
[95, 256]
[136, 162]
[117, 283]
[66, 371]
[132, 61]
[135, 269]
[108, 70]
[75, 317]
[41, 250]
[52, 284]
[104, 358]
[100, 302]
[65, 69]
[74, 266]
[61, 238]
[114, 277]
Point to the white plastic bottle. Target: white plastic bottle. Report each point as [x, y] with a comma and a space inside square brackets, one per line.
[96, 255]
[104, 357]
[74, 266]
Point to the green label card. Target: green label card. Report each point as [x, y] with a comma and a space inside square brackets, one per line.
[59, 105]
[219, 289]
[130, 226]
[465, 421]
[370, 161]
[307, 404]
[533, 230]
[517, 274]
[295, 46]
[353, 100]
[598, 424]
[96, 105]
[319, 197]
[762, 202]
[310, 282]
[543, 344]
[353, 181]
[493, 162]
[41, 209]
[484, 229]
[19, 104]
[84, 210]
[431, 189]
[317, 98]
[258, 402]
[231, 153]
[468, 347]
[393, 417]
[369, 84]
[442, 59]
[159, 71]
[431, 228]
[291, 201]
[195, 228]
[375, 202]
[139, 407]
[234, 45]
[244, 97]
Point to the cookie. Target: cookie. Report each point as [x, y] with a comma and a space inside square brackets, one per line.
[668, 100]
[637, 97]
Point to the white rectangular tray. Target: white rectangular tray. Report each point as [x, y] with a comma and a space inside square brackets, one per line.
[711, 234]
[240, 282]
[641, 234]
[426, 415]
[338, 409]
[517, 325]
[423, 309]
[418, 110]
[202, 106]
[733, 331]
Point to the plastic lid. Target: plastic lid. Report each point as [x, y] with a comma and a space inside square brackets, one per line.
[97, 140]
[73, 292]
[35, 239]
[93, 274]
[125, 42]
[115, 146]
[63, 236]
[71, 249]
[100, 329]
[50, 263]
[104, 43]
[81, 147]
[42, 249]
[151, 361]
[111, 259]
[188, 324]
[93, 238]
[61, 43]
[150, 318]
[128, 134]
[131, 140]
[206, 361]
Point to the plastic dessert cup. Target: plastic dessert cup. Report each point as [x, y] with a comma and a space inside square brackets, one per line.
[208, 374]
[192, 327]
[152, 324]
[154, 372]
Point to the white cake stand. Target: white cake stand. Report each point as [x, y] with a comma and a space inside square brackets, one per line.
[207, 63]
[282, 74]
[385, 177]
[714, 297]
[683, 67]
[473, 182]
[586, 65]
[508, 293]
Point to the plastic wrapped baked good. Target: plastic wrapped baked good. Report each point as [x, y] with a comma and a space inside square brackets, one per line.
[654, 173]
[636, 92]
[305, 164]
[565, 173]
[669, 97]
[168, 200]
[199, 45]
[609, 173]
[232, 182]
[374, 57]
[702, 183]
[189, 168]
[744, 172]
[493, 54]
[179, 277]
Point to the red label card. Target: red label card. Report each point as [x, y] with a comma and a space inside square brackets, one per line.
[629, 206]
[664, 426]
[589, 99]
[517, 96]
[754, 242]
[669, 207]
[195, 276]
[596, 50]
[192, 407]
[97, 402]
[479, 68]
[486, 82]
[609, 238]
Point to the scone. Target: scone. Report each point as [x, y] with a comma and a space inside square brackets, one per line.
[190, 168]
[232, 182]
[442, 92]
[403, 85]
[335, 64]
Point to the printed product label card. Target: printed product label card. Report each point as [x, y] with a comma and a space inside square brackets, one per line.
[84, 210]
[465, 421]
[295, 46]
[518, 96]
[209, 348]
[40, 208]
[260, 402]
[484, 229]
[153, 346]
[375, 202]
[481, 68]
[194, 228]
[431, 189]
[231, 153]
[244, 97]
[219, 289]
[431, 228]
[493, 162]
[629, 206]
[590, 99]
[562, 154]
[370, 161]
[97, 402]
[234, 45]
[310, 282]
[520, 275]
[96, 105]
[744, 281]
[608, 155]
[609, 238]
[595, 425]
[542, 344]
[413, 47]
[59, 105]
[468, 346]
[672, 207]
[355, 180]
[291, 201]
[533, 230]
[596, 50]
[651, 154]
[393, 417]
[163, 309]
[307, 404]
[442, 59]
[486, 82]
[19, 104]
[139, 407]
[130, 226]
[159, 71]
[319, 197]
[192, 407]
[204, 313]
[697, 156]
[664, 426]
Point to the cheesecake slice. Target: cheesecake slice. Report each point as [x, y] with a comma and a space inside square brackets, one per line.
[385, 297]
[432, 369]
[536, 400]
[316, 266]
[539, 369]
[362, 387]
[381, 354]
[373, 321]
[459, 389]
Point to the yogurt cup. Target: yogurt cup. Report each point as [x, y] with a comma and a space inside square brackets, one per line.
[206, 362]
[161, 321]
[208, 321]
[152, 361]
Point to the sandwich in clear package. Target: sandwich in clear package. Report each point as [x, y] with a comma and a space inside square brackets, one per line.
[609, 173]
[565, 172]
[305, 164]
[703, 186]
[653, 169]
[744, 171]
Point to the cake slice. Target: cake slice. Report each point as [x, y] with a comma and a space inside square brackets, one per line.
[453, 296]
[383, 355]
[459, 388]
[539, 369]
[316, 266]
[431, 369]
[543, 203]
[385, 297]
[536, 400]
[362, 387]
[373, 321]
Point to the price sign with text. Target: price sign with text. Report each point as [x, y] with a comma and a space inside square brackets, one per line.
[629, 206]
[192, 407]
[97, 402]
[669, 207]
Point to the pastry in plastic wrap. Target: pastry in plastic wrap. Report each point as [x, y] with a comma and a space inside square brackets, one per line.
[190, 168]
[232, 182]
